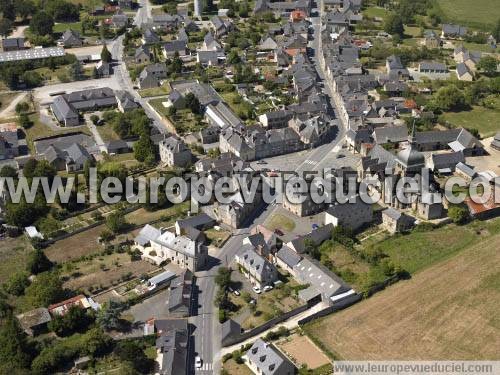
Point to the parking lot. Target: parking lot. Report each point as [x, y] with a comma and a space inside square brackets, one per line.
[43, 94]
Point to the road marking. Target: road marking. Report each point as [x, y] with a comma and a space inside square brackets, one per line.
[206, 367]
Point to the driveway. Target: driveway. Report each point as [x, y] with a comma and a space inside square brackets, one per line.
[93, 129]
[10, 110]
[153, 307]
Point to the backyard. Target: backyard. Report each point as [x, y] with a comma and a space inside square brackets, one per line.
[39, 130]
[279, 221]
[102, 272]
[268, 305]
[481, 118]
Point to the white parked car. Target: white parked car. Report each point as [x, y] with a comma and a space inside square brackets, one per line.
[267, 288]
[236, 292]
[257, 290]
[197, 362]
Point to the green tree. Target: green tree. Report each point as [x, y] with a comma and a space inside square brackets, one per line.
[23, 214]
[5, 27]
[496, 31]
[192, 103]
[223, 277]
[63, 11]
[449, 98]
[133, 352]
[95, 119]
[8, 171]
[144, 148]
[24, 8]
[45, 169]
[22, 107]
[14, 349]
[32, 79]
[29, 168]
[394, 25]
[24, 121]
[74, 320]
[458, 214]
[108, 316]
[76, 70]
[17, 283]
[105, 54]
[45, 289]
[116, 222]
[89, 23]
[233, 57]
[42, 23]
[488, 64]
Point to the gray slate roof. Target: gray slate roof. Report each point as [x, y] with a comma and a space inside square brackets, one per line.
[288, 256]
[267, 358]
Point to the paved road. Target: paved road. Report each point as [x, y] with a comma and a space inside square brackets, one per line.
[207, 332]
[95, 133]
[122, 77]
[144, 12]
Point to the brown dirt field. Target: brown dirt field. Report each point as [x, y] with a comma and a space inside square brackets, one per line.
[75, 246]
[447, 311]
[116, 265]
[303, 351]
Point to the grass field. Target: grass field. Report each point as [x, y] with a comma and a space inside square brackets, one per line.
[420, 249]
[40, 130]
[483, 119]
[378, 12]
[279, 221]
[447, 311]
[474, 13]
[14, 254]
[107, 133]
[6, 98]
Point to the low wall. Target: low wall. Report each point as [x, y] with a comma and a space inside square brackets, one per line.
[264, 327]
[340, 305]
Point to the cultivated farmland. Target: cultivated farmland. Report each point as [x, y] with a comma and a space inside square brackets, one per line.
[446, 311]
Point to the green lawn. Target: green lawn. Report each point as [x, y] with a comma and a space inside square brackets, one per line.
[107, 133]
[155, 91]
[481, 118]
[40, 130]
[475, 13]
[279, 221]
[62, 27]
[412, 31]
[420, 249]
[376, 12]
[478, 47]
[6, 98]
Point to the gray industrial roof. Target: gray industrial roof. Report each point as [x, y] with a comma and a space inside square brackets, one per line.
[32, 54]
